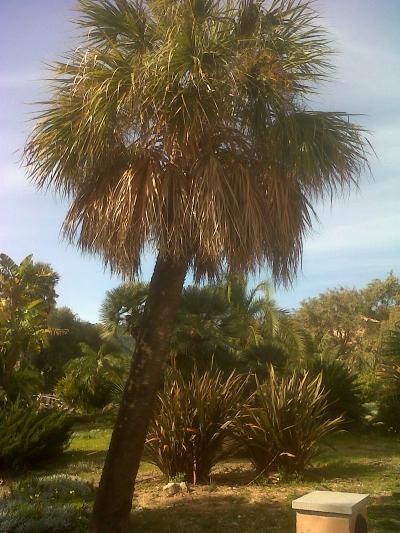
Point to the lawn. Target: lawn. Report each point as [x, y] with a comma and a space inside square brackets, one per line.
[236, 501]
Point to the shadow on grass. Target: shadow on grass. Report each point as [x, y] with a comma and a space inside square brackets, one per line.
[77, 462]
[69, 457]
[384, 514]
[234, 513]
[239, 475]
[340, 469]
[244, 474]
[87, 422]
[369, 445]
[215, 513]
[70, 462]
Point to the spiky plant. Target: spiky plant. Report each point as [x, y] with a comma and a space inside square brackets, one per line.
[285, 422]
[193, 419]
[184, 125]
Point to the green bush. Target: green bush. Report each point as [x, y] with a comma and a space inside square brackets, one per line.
[25, 383]
[46, 505]
[89, 379]
[389, 400]
[284, 422]
[193, 419]
[343, 392]
[29, 435]
[76, 395]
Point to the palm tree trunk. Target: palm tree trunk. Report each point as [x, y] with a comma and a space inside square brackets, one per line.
[114, 497]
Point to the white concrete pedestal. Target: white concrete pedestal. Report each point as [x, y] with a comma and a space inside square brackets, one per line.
[331, 512]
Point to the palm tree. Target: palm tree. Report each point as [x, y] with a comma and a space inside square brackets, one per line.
[28, 281]
[264, 333]
[255, 316]
[23, 331]
[200, 335]
[183, 126]
[224, 322]
[121, 313]
[26, 295]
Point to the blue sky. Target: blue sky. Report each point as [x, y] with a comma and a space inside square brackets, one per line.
[357, 238]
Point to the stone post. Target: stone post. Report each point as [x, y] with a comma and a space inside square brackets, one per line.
[331, 512]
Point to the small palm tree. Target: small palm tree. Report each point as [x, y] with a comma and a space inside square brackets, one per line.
[199, 334]
[89, 379]
[28, 281]
[184, 126]
[262, 332]
[22, 333]
[252, 311]
[121, 313]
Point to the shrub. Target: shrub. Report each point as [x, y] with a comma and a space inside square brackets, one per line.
[192, 421]
[29, 434]
[389, 402]
[25, 383]
[284, 422]
[88, 380]
[46, 505]
[79, 397]
[343, 392]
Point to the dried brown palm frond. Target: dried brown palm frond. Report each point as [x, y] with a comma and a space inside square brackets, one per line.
[183, 125]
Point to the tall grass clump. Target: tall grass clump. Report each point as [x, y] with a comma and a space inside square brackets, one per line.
[284, 422]
[194, 417]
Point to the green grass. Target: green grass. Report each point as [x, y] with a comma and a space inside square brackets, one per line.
[234, 501]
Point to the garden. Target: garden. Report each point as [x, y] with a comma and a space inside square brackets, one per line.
[257, 405]
[233, 499]
[188, 133]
